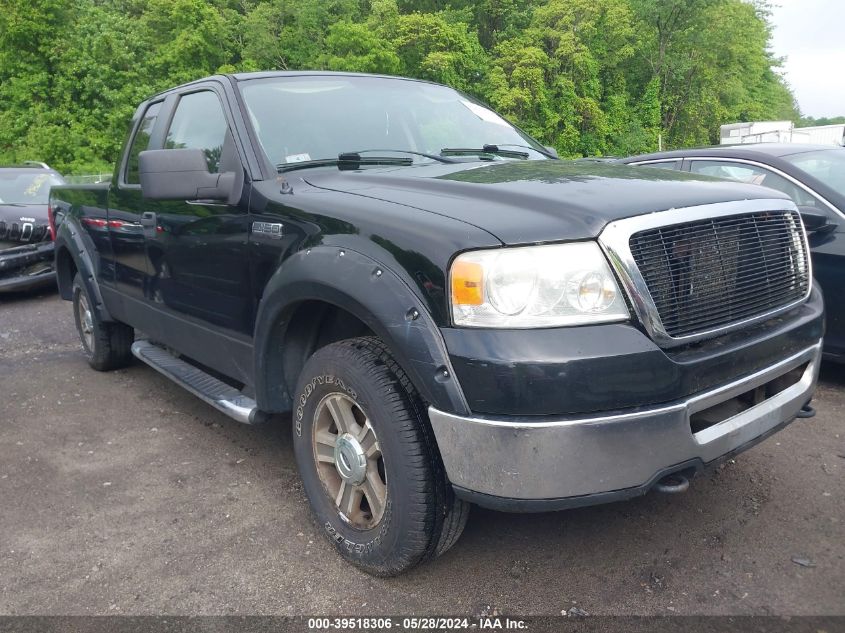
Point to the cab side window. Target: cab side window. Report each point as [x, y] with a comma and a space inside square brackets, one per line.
[754, 175]
[662, 164]
[199, 123]
[140, 143]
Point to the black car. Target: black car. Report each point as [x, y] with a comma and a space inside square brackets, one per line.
[814, 177]
[26, 245]
[450, 314]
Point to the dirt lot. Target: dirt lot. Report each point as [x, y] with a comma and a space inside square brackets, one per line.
[121, 493]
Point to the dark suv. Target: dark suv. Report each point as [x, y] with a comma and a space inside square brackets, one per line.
[26, 246]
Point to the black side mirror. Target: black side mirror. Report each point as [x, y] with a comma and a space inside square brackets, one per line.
[182, 174]
[814, 220]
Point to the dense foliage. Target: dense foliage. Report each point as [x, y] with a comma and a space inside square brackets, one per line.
[587, 76]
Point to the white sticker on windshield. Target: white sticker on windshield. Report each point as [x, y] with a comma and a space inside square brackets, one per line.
[484, 114]
[297, 158]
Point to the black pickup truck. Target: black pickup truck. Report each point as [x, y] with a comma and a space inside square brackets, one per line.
[450, 314]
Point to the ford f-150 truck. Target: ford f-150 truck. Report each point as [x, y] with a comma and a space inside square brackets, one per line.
[450, 314]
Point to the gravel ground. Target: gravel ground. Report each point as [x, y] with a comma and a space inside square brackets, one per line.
[123, 494]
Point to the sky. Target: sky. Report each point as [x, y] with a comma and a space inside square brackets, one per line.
[811, 35]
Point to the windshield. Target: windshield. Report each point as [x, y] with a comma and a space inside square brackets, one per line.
[825, 165]
[26, 188]
[300, 119]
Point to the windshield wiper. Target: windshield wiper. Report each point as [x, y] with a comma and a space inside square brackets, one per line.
[486, 149]
[439, 159]
[349, 160]
[306, 164]
[545, 153]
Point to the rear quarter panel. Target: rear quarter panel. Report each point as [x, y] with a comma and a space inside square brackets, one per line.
[81, 220]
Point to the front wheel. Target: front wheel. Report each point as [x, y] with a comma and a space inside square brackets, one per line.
[368, 461]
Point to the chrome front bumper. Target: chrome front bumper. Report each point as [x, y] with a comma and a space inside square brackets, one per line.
[588, 456]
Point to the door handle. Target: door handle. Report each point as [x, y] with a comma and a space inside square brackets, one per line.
[148, 219]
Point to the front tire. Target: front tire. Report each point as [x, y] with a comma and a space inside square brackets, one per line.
[368, 460]
[106, 344]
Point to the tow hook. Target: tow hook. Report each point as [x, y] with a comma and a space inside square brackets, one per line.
[672, 484]
[806, 412]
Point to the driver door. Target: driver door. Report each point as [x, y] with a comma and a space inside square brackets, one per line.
[197, 249]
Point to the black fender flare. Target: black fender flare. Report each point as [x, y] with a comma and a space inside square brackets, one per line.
[370, 291]
[70, 239]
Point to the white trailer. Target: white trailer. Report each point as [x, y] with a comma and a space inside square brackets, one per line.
[821, 134]
[781, 132]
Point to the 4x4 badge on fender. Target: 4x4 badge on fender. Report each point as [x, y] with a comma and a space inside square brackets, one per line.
[268, 228]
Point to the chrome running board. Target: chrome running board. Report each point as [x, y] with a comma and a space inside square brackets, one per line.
[206, 387]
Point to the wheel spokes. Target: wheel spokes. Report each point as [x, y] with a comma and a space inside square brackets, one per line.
[86, 320]
[376, 493]
[341, 411]
[369, 442]
[324, 446]
[349, 460]
[348, 500]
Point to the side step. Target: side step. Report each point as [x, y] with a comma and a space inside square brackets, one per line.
[215, 392]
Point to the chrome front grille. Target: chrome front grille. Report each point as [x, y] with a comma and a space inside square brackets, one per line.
[707, 274]
[700, 271]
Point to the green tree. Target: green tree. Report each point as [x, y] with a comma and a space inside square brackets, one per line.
[431, 47]
[711, 59]
[587, 76]
[357, 47]
[29, 54]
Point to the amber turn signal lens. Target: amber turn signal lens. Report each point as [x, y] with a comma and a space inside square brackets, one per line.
[467, 284]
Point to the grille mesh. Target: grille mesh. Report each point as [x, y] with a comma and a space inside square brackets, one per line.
[709, 274]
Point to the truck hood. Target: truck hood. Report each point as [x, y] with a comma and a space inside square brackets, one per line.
[523, 202]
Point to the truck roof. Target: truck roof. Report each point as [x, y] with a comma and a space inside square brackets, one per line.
[267, 74]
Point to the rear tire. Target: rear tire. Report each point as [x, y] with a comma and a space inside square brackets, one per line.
[107, 345]
[368, 460]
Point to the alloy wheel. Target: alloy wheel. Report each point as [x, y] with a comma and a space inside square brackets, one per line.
[349, 461]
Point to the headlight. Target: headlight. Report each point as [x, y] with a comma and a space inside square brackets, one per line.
[535, 286]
